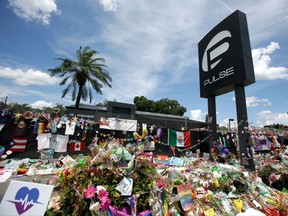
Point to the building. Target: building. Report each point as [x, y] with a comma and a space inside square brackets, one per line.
[128, 111]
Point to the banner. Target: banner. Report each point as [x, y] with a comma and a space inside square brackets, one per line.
[118, 124]
[179, 138]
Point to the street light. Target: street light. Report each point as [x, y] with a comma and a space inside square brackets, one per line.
[229, 127]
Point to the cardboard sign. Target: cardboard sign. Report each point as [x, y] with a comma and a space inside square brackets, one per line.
[175, 161]
[25, 198]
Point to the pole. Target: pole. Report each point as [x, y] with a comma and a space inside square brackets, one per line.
[212, 124]
[246, 156]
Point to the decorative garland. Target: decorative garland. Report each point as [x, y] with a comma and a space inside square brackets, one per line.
[155, 139]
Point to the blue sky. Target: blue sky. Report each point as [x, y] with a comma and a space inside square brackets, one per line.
[150, 47]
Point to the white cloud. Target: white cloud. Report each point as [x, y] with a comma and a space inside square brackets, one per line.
[28, 77]
[267, 117]
[41, 104]
[109, 5]
[262, 62]
[34, 10]
[196, 115]
[225, 123]
[254, 101]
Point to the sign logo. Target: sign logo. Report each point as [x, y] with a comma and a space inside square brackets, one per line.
[218, 45]
[25, 199]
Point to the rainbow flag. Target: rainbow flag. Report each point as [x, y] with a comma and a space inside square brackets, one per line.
[185, 194]
[163, 159]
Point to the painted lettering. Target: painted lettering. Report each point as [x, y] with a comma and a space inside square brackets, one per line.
[221, 75]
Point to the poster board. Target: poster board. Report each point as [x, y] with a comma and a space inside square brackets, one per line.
[25, 198]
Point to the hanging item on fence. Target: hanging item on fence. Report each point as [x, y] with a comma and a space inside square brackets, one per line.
[75, 145]
[179, 138]
[118, 124]
[20, 144]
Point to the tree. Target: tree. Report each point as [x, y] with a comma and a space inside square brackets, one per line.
[143, 104]
[278, 126]
[20, 108]
[164, 106]
[85, 71]
[167, 106]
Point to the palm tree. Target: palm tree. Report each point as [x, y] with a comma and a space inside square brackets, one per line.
[87, 70]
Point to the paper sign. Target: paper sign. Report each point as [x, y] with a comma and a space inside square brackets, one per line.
[125, 186]
[176, 161]
[25, 198]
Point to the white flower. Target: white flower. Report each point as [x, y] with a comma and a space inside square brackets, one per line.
[98, 188]
[94, 207]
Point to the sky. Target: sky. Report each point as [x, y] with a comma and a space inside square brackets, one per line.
[150, 49]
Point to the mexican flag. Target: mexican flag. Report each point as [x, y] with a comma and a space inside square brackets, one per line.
[179, 138]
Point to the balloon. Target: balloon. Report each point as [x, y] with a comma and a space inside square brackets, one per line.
[220, 148]
[225, 151]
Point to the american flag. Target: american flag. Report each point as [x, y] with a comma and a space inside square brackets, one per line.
[132, 202]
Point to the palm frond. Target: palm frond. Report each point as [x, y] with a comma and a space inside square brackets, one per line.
[63, 81]
[66, 90]
[96, 86]
[90, 95]
[84, 93]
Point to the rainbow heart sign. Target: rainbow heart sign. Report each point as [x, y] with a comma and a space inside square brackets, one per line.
[25, 198]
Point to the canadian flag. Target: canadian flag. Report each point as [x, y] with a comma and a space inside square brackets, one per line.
[77, 146]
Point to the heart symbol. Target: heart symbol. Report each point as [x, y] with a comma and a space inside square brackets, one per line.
[25, 199]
